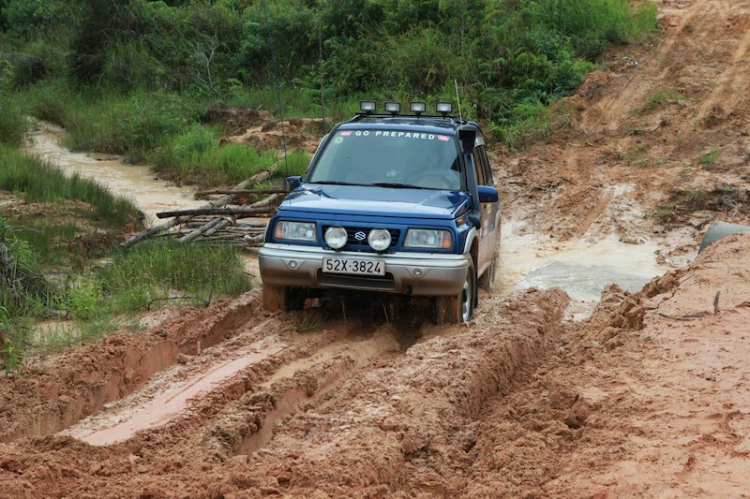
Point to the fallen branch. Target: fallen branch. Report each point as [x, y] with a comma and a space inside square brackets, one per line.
[258, 177]
[685, 317]
[244, 191]
[236, 212]
[224, 222]
[197, 232]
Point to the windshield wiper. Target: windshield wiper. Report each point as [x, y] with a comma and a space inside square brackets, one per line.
[396, 185]
[331, 182]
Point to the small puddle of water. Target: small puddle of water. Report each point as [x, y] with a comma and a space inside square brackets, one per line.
[134, 182]
[580, 268]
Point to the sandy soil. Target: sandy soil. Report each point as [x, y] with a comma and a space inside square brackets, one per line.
[647, 397]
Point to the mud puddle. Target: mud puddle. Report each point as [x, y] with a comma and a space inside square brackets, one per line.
[581, 268]
[166, 405]
[134, 182]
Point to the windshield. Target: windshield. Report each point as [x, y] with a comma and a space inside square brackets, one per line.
[390, 159]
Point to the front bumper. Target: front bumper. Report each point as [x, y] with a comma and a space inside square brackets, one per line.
[421, 274]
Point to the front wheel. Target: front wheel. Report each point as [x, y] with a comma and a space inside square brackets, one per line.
[455, 309]
[282, 298]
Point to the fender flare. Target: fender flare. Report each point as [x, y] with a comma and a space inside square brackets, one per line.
[470, 238]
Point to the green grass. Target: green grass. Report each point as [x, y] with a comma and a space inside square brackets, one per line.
[195, 155]
[13, 123]
[710, 158]
[157, 270]
[41, 181]
[107, 298]
[662, 96]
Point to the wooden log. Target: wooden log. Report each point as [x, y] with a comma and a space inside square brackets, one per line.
[224, 222]
[268, 200]
[235, 212]
[255, 179]
[244, 191]
[197, 232]
[258, 177]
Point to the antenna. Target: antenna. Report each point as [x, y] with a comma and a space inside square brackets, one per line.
[276, 84]
[458, 101]
[322, 73]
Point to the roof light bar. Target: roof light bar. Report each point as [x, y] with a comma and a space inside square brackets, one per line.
[393, 107]
[444, 108]
[418, 107]
[367, 106]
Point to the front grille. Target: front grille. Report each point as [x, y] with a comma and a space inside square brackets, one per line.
[375, 283]
[357, 236]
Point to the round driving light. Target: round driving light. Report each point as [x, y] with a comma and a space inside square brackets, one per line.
[335, 237]
[292, 264]
[379, 239]
[417, 272]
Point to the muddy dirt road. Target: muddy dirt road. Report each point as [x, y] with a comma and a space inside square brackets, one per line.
[649, 396]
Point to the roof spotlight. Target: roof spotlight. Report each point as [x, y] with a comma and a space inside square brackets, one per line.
[393, 107]
[444, 108]
[367, 106]
[417, 107]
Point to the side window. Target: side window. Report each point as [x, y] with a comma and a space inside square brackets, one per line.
[482, 165]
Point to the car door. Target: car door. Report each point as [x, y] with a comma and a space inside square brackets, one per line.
[488, 233]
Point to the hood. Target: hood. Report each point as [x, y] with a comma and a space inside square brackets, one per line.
[376, 201]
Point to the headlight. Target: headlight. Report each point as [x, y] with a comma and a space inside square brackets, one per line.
[295, 231]
[379, 239]
[336, 237]
[428, 238]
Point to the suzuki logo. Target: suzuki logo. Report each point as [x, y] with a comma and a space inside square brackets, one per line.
[360, 236]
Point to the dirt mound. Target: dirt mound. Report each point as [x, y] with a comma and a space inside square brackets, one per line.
[661, 128]
[296, 133]
[235, 118]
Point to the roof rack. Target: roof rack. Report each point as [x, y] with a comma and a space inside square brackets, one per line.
[363, 116]
[393, 110]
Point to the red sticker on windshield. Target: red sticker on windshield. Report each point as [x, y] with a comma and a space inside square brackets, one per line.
[443, 138]
[346, 134]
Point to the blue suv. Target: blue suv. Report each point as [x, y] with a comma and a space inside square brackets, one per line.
[402, 204]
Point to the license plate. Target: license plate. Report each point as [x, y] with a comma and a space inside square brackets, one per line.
[353, 266]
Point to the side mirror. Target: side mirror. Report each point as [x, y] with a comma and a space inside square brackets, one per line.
[292, 183]
[487, 194]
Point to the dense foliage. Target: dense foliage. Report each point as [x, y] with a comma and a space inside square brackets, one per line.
[506, 56]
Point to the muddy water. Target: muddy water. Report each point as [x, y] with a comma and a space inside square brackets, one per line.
[134, 182]
[581, 268]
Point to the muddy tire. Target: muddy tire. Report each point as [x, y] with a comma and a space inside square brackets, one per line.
[458, 308]
[487, 281]
[282, 298]
[720, 230]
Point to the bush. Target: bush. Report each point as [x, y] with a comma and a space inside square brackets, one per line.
[133, 125]
[196, 156]
[507, 52]
[13, 123]
[29, 18]
[22, 288]
[156, 269]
